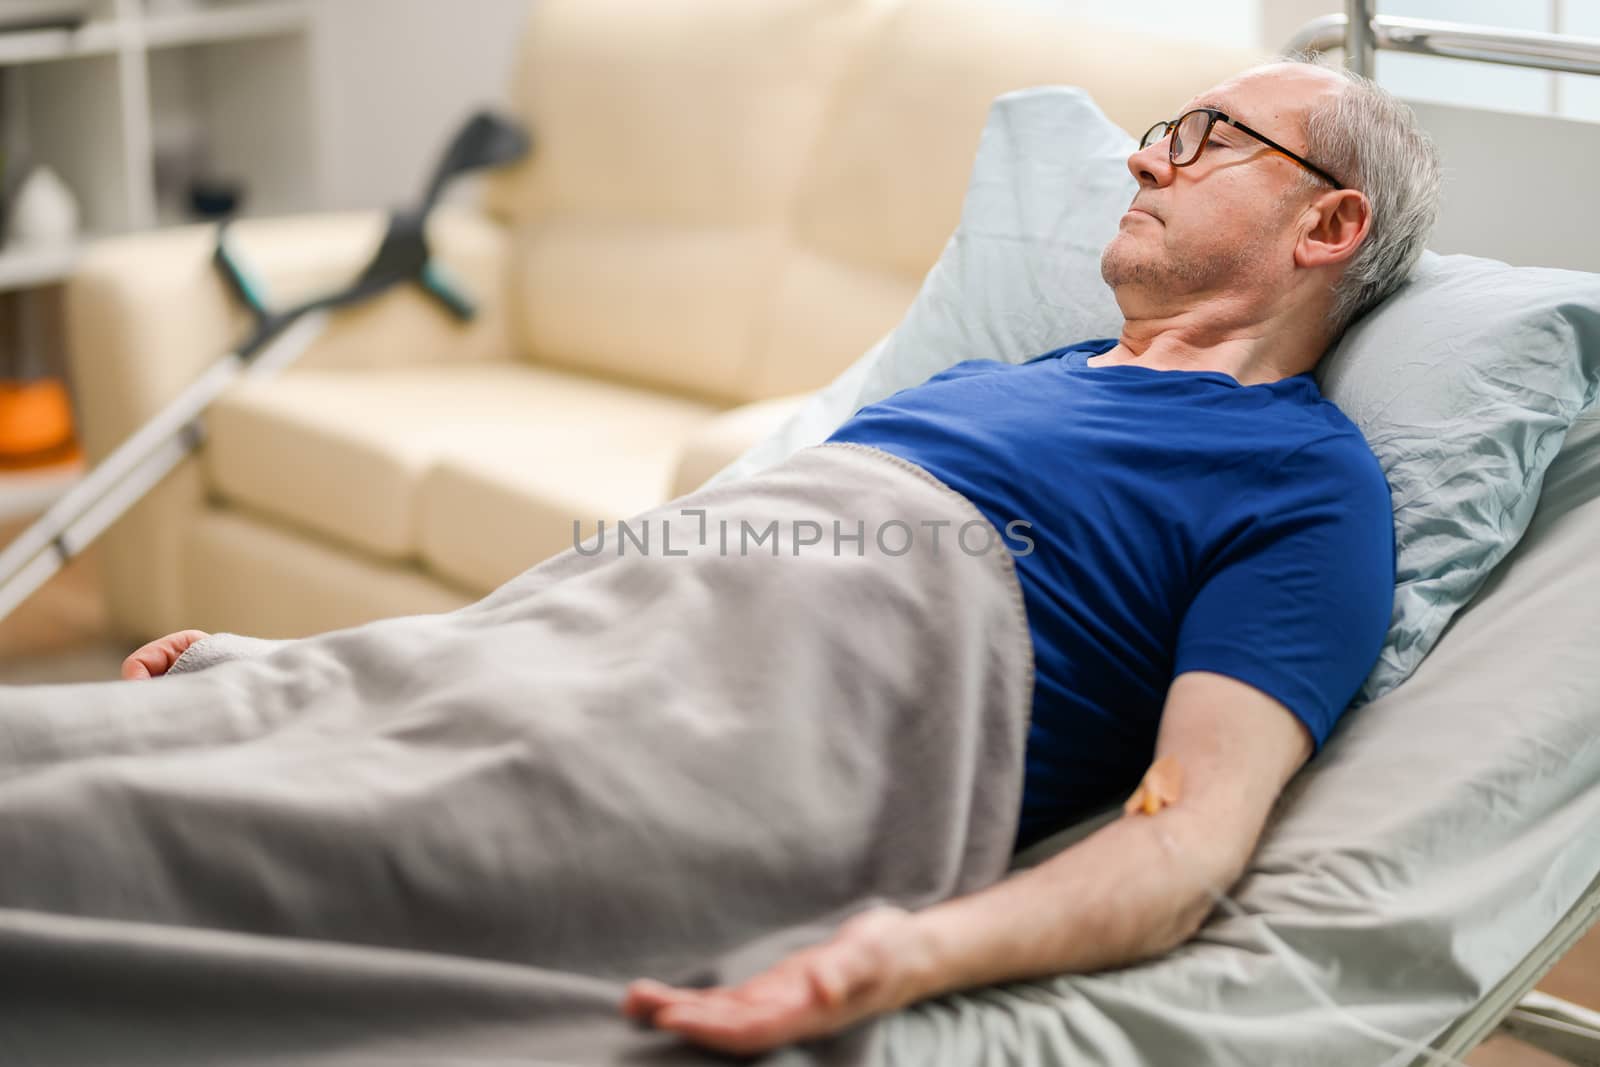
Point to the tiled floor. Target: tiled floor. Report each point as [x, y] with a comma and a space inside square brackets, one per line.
[61, 635]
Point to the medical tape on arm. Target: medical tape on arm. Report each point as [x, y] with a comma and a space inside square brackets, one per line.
[1160, 789]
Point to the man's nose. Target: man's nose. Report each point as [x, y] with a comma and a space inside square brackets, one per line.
[1153, 165]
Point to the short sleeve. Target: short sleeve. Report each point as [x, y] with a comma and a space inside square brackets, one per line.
[1296, 597]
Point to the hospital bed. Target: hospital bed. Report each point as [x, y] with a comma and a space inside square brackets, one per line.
[1442, 853]
[1438, 857]
[1512, 1005]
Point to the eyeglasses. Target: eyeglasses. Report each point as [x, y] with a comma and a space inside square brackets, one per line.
[1192, 129]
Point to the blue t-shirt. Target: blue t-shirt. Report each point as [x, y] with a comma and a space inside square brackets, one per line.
[1179, 521]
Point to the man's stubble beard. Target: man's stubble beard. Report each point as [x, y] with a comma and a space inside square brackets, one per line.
[1163, 271]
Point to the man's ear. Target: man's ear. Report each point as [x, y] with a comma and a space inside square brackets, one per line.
[1338, 224]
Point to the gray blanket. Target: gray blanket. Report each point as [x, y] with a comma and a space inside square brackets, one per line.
[453, 838]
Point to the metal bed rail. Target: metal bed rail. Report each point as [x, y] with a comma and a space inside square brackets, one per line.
[1362, 33]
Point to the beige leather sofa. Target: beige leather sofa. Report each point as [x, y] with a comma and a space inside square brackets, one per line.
[730, 201]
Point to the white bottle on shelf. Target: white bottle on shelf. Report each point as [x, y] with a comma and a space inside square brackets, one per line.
[44, 211]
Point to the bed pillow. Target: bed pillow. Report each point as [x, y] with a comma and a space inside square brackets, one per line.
[1464, 381]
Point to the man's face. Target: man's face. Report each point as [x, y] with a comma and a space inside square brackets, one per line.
[1225, 225]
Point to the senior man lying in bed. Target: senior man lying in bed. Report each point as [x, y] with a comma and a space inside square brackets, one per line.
[1203, 544]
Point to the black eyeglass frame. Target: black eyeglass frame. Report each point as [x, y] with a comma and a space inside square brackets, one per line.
[1213, 116]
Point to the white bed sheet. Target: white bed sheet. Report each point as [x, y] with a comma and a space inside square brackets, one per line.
[1439, 836]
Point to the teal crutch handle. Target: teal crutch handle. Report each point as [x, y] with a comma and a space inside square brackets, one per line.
[443, 286]
[245, 285]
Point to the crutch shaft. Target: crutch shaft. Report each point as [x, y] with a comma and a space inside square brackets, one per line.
[58, 532]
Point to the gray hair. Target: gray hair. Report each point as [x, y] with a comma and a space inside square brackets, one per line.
[1371, 142]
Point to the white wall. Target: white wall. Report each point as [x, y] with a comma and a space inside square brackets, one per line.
[1516, 187]
[1230, 22]
[1281, 18]
[393, 79]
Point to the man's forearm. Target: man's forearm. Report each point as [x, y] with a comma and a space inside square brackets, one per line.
[1118, 896]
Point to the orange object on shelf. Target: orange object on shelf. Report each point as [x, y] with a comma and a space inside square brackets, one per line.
[35, 424]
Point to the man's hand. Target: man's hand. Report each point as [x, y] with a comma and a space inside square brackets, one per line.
[876, 963]
[156, 658]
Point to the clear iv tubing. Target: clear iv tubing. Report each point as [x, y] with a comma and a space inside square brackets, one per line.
[1302, 977]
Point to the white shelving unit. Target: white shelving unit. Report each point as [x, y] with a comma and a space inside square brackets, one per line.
[42, 46]
[264, 18]
[27, 493]
[25, 267]
[93, 103]
[99, 105]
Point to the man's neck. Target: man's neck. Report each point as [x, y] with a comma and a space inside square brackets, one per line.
[1252, 354]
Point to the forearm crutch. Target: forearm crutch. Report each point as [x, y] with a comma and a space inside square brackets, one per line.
[276, 340]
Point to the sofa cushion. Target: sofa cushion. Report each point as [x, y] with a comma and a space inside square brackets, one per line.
[736, 199]
[346, 453]
[671, 140]
[487, 514]
[719, 441]
[244, 573]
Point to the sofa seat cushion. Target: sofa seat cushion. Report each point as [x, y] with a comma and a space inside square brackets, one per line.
[486, 515]
[348, 454]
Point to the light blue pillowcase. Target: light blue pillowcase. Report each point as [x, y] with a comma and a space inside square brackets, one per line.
[1464, 382]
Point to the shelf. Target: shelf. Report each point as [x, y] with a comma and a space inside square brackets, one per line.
[97, 38]
[27, 493]
[206, 26]
[22, 266]
[224, 81]
[102, 37]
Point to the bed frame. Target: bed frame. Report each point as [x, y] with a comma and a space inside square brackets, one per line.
[1361, 33]
[1513, 1006]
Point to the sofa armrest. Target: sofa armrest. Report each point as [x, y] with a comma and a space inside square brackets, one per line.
[725, 437]
[147, 313]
